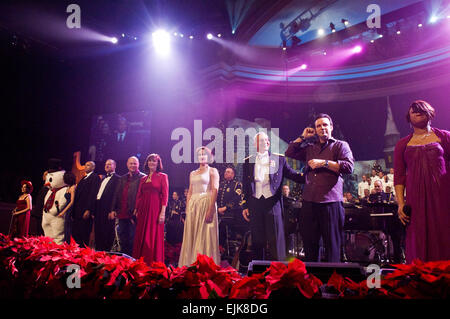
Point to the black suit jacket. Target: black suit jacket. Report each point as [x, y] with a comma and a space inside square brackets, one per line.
[85, 195]
[279, 169]
[105, 202]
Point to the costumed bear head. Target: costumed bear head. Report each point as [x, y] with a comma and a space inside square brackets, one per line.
[55, 181]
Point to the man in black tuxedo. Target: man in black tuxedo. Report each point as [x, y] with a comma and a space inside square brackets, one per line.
[84, 204]
[263, 204]
[104, 226]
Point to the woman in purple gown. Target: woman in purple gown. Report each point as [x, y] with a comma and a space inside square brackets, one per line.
[421, 162]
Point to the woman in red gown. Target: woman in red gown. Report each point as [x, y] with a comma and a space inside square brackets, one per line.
[151, 203]
[21, 214]
[422, 167]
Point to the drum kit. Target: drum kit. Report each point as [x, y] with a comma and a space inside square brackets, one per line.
[367, 239]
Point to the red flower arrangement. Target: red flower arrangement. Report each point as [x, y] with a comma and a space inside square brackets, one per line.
[36, 267]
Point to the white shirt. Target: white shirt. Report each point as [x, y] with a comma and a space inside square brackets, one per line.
[120, 136]
[103, 185]
[262, 180]
[87, 175]
[391, 177]
[361, 187]
[375, 178]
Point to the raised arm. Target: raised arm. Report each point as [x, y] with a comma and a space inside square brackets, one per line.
[296, 151]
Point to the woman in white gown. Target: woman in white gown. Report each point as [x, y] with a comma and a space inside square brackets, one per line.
[201, 231]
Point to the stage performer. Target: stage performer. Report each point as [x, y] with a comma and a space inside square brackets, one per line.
[150, 210]
[322, 211]
[83, 206]
[20, 222]
[421, 162]
[263, 205]
[201, 230]
[124, 203]
[104, 226]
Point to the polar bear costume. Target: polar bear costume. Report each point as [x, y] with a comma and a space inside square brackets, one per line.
[54, 203]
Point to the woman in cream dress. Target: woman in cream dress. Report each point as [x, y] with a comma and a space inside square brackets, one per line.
[201, 231]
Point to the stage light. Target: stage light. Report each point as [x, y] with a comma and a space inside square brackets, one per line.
[219, 35]
[114, 40]
[357, 49]
[380, 36]
[284, 48]
[175, 34]
[161, 42]
[324, 52]
[191, 37]
[345, 22]
[398, 32]
[303, 67]
[433, 19]
[321, 32]
[233, 31]
[332, 27]
[209, 36]
[420, 25]
[181, 35]
[123, 35]
[135, 38]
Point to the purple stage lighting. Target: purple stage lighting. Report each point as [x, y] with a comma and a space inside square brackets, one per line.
[433, 19]
[209, 36]
[114, 40]
[303, 67]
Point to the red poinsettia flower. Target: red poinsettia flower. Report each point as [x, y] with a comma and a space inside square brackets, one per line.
[294, 275]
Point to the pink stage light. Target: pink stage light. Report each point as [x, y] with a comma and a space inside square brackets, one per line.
[303, 67]
[357, 49]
